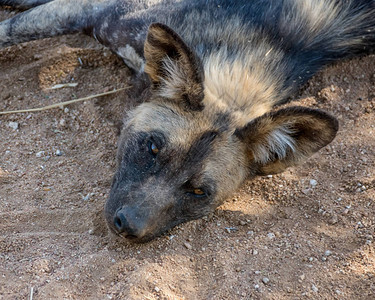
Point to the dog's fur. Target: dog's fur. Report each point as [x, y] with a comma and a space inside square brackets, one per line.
[214, 70]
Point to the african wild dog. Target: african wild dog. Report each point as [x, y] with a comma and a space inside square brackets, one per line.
[213, 71]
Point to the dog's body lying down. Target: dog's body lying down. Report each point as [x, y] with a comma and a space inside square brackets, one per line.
[213, 70]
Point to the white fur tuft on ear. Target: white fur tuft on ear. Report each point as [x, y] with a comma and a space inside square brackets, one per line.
[174, 80]
[276, 145]
[286, 137]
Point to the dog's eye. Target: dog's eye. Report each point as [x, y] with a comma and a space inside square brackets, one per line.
[195, 192]
[153, 149]
[199, 193]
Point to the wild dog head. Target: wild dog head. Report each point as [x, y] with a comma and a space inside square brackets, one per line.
[180, 154]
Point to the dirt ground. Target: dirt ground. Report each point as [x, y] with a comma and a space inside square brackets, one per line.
[307, 233]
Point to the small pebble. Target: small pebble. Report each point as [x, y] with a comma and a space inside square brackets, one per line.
[188, 246]
[58, 152]
[231, 229]
[265, 280]
[256, 286]
[333, 220]
[39, 154]
[13, 125]
[271, 235]
[87, 197]
[313, 182]
[157, 289]
[306, 191]
[314, 288]
[328, 253]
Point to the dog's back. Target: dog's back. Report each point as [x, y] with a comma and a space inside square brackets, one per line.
[288, 40]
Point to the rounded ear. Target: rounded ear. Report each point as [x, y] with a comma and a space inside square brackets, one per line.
[284, 138]
[174, 69]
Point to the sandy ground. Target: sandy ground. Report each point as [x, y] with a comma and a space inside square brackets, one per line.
[307, 233]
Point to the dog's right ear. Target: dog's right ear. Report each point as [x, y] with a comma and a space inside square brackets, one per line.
[175, 70]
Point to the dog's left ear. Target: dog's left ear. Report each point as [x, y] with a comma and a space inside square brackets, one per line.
[284, 138]
[175, 70]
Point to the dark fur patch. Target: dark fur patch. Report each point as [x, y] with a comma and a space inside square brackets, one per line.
[200, 149]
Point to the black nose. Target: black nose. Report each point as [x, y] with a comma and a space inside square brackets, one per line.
[125, 227]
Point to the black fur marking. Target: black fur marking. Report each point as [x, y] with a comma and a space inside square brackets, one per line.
[137, 163]
[200, 149]
[222, 121]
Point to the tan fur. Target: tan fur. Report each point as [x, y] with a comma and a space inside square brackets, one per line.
[230, 86]
[176, 81]
[181, 127]
[225, 166]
